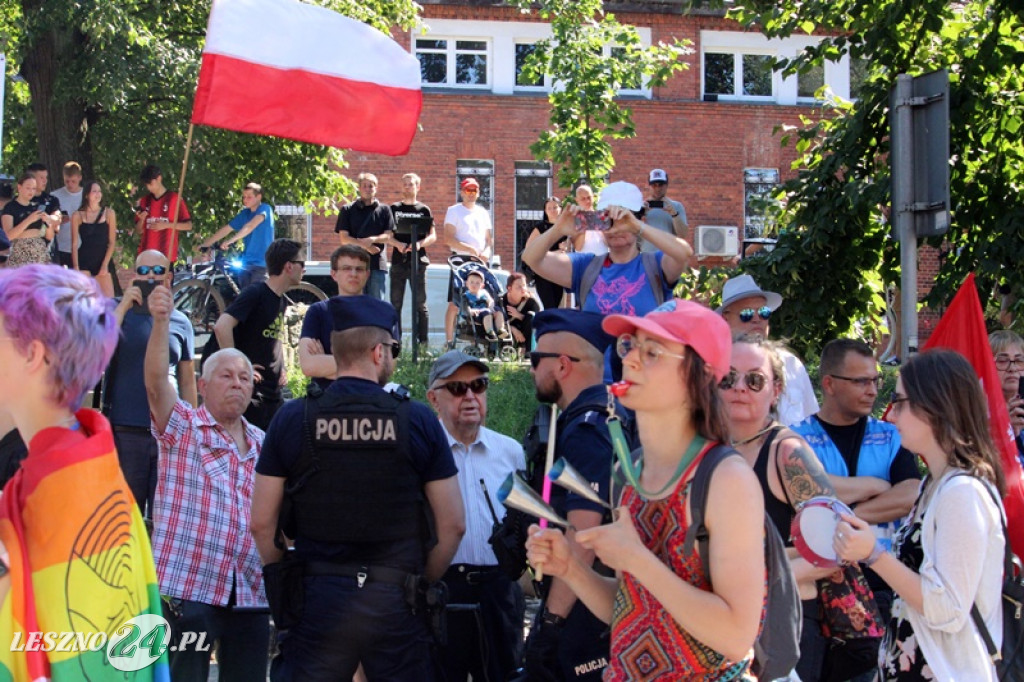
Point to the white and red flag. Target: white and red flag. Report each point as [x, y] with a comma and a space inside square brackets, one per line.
[962, 328]
[290, 69]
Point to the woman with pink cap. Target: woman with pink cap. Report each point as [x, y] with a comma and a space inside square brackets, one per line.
[670, 619]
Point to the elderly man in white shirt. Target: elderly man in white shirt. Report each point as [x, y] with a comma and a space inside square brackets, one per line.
[747, 308]
[485, 634]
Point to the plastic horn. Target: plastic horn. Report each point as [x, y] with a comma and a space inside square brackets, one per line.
[516, 493]
[564, 474]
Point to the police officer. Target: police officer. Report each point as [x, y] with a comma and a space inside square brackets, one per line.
[568, 642]
[368, 487]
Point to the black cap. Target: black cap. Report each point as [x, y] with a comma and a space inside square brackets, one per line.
[585, 325]
[348, 312]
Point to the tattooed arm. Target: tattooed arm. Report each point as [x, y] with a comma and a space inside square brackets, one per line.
[795, 474]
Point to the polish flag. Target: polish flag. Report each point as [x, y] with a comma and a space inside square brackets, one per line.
[290, 69]
[962, 328]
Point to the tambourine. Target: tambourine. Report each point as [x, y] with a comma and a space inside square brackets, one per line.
[813, 528]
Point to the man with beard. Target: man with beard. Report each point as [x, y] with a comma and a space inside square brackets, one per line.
[485, 633]
[363, 481]
[567, 642]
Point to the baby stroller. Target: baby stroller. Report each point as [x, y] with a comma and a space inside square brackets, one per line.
[469, 331]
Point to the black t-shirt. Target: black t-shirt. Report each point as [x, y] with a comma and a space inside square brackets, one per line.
[12, 452]
[542, 227]
[361, 221]
[47, 202]
[19, 213]
[401, 210]
[847, 440]
[260, 314]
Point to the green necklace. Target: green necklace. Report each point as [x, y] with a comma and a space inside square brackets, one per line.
[632, 469]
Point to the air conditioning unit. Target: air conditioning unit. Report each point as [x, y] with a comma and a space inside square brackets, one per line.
[718, 240]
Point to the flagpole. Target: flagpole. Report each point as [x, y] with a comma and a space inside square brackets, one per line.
[184, 167]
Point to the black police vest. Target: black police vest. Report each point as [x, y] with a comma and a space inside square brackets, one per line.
[355, 482]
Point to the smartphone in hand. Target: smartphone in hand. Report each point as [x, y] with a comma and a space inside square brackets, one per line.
[592, 220]
[656, 203]
[1020, 387]
[146, 286]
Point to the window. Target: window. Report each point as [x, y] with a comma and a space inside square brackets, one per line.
[809, 83]
[293, 222]
[758, 184]
[735, 74]
[523, 51]
[533, 186]
[633, 81]
[483, 171]
[453, 62]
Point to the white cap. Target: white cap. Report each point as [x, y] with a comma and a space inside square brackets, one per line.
[624, 194]
[657, 175]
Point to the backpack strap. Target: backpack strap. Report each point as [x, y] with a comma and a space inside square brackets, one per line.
[698, 500]
[589, 278]
[655, 277]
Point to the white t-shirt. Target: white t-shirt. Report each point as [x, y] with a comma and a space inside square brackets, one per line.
[471, 226]
[69, 203]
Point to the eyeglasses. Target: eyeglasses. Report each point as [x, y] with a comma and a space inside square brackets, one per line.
[459, 388]
[536, 356]
[895, 399]
[747, 314]
[155, 269]
[352, 268]
[1004, 362]
[862, 382]
[755, 381]
[300, 263]
[650, 351]
[396, 347]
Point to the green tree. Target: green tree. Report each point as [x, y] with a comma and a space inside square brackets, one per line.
[835, 254]
[111, 85]
[586, 111]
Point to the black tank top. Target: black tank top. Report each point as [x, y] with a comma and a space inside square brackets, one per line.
[779, 511]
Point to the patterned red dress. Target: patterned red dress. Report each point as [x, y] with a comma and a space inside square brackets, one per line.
[647, 643]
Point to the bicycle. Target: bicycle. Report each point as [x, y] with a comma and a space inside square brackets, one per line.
[209, 287]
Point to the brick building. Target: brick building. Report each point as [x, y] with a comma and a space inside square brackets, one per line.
[711, 126]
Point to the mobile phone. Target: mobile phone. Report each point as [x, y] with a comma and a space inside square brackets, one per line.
[656, 203]
[146, 286]
[138, 209]
[1020, 387]
[593, 220]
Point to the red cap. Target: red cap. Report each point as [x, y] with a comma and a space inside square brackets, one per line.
[685, 322]
[469, 182]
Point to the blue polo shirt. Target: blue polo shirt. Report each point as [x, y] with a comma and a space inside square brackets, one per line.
[257, 241]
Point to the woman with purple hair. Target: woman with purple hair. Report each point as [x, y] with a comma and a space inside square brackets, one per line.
[74, 553]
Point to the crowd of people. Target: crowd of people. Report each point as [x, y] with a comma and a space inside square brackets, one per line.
[370, 530]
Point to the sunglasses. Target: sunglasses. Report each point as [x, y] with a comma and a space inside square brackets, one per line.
[650, 351]
[396, 347]
[300, 263]
[536, 356]
[471, 190]
[755, 381]
[459, 388]
[747, 314]
[155, 269]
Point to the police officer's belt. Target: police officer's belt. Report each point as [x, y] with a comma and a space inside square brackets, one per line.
[374, 574]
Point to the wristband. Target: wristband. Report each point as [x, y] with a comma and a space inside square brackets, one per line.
[548, 618]
[875, 555]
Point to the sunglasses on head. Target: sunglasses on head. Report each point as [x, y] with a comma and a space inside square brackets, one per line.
[754, 380]
[155, 269]
[459, 388]
[747, 314]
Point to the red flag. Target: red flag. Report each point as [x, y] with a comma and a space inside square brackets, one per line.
[294, 70]
[962, 328]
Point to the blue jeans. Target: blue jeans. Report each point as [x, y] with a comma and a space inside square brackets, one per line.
[376, 284]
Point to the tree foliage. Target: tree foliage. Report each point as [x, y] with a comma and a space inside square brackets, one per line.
[835, 254]
[111, 85]
[586, 111]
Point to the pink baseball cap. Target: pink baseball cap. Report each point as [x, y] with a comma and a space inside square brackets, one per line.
[685, 322]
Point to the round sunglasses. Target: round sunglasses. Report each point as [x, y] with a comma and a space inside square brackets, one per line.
[155, 269]
[747, 314]
[755, 381]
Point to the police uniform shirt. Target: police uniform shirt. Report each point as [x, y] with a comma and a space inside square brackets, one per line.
[587, 445]
[428, 447]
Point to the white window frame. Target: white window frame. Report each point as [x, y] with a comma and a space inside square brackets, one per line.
[451, 51]
[502, 37]
[784, 90]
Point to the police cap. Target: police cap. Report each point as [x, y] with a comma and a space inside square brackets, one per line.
[585, 325]
[363, 311]
[449, 363]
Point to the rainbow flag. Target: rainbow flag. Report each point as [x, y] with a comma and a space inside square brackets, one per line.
[79, 558]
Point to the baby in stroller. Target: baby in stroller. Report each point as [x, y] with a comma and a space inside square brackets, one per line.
[480, 306]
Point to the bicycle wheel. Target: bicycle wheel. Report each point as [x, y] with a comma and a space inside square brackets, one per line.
[201, 303]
